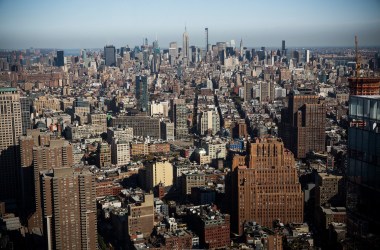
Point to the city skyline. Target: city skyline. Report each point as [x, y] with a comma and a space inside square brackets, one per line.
[92, 24]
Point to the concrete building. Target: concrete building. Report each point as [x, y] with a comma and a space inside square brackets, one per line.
[208, 122]
[103, 157]
[329, 190]
[142, 125]
[122, 133]
[120, 152]
[10, 131]
[191, 180]
[159, 172]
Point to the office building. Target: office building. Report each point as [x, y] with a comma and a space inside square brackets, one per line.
[141, 125]
[10, 131]
[69, 209]
[268, 188]
[142, 92]
[185, 45]
[307, 56]
[122, 133]
[110, 55]
[206, 38]
[26, 104]
[60, 60]
[303, 123]
[363, 175]
[180, 112]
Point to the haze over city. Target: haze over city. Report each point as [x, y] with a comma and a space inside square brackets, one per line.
[91, 24]
[209, 124]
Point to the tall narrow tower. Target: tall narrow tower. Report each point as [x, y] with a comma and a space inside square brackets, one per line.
[10, 131]
[206, 37]
[186, 47]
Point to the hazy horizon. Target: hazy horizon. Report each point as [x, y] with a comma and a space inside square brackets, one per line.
[92, 24]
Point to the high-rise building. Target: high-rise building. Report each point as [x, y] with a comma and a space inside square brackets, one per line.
[268, 188]
[186, 45]
[10, 131]
[363, 172]
[206, 38]
[283, 51]
[33, 138]
[110, 55]
[58, 153]
[173, 52]
[307, 56]
[303, 123]
[248, 85]
[26, 104]
[69, 208]
[60, 58]
[180, 111]
[142, 93]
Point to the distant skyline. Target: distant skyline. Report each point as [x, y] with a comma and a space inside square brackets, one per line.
[93, 24]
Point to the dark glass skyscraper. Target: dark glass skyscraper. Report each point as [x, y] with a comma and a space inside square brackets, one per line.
[363, 172]
[60, 58]
[110, 55]
[142, 94]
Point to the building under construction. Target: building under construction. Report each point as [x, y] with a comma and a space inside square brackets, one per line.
[363, 85]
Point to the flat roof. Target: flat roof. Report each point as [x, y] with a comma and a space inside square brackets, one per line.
[7, 89]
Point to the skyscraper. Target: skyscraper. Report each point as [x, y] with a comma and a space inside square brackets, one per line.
[363, 172]
[283, 51]
[268, 188]
[56, 153]
[302, 124]
[179, 111]
[186, 46]
[206, 37]
[10, 131]
[60, 58]
[26, 104]
[307, 56]
[142, 94]
[110, 55]
[69, 208]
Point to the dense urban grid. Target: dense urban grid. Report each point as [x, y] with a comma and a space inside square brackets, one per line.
[218, 146]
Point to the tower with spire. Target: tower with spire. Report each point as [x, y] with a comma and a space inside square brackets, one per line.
[186, 47]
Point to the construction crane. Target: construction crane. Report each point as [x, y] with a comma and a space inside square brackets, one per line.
[357, 59]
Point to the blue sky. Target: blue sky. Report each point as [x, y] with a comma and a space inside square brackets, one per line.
[93, 23]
